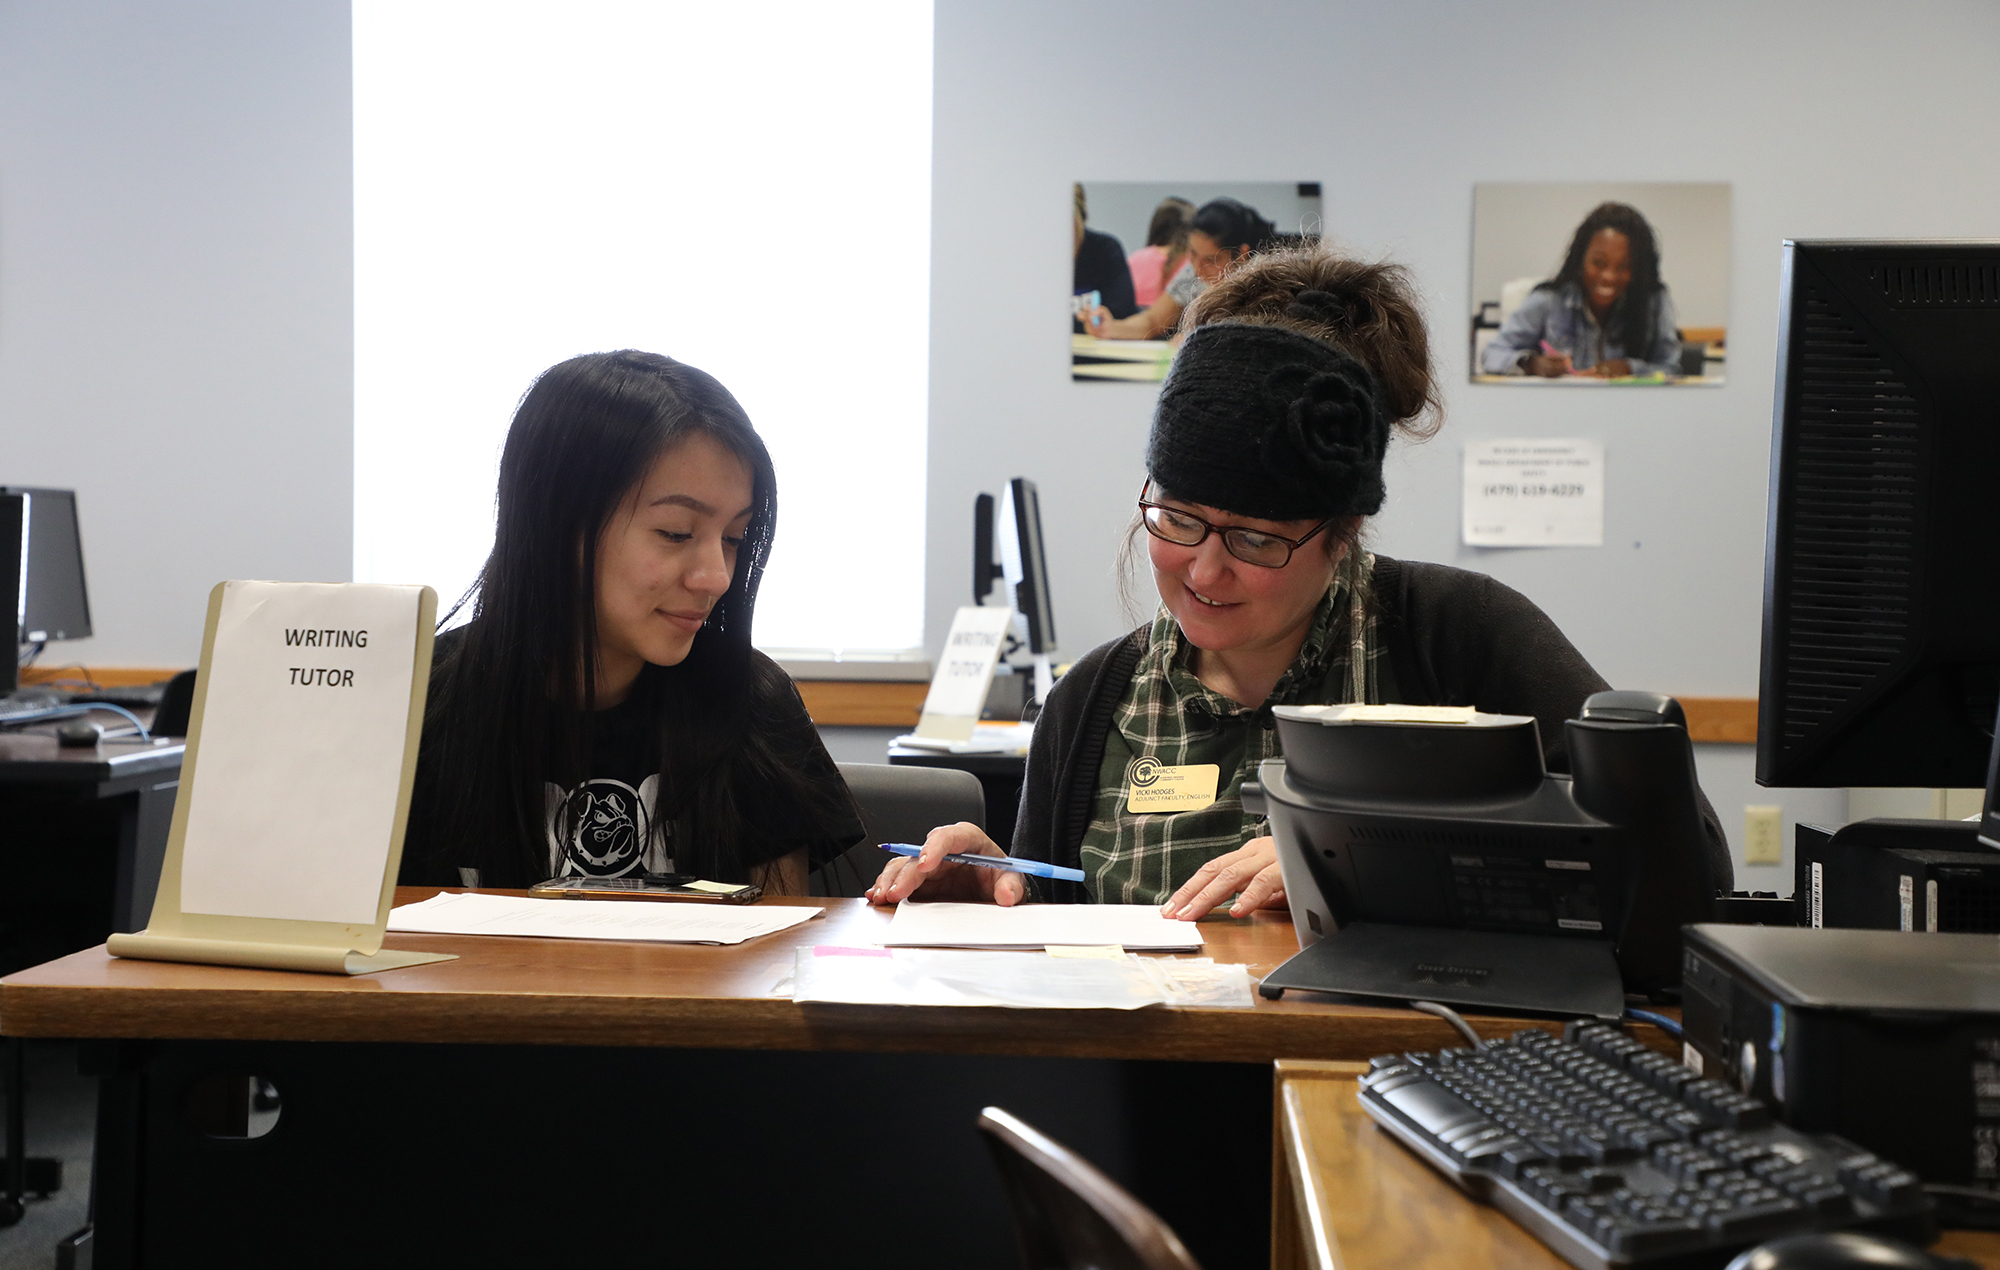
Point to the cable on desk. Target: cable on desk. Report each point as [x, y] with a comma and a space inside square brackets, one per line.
[1452, 1017]
[1660, 1021]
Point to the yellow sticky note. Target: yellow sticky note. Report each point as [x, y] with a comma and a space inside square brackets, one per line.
[715, 888]
[1151, 785]
[1107, 952]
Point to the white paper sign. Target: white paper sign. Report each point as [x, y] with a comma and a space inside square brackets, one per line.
[965, 671]
[303, 726]
[1534, 492]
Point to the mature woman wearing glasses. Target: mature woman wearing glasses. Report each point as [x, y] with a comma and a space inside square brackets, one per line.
[1264, 462]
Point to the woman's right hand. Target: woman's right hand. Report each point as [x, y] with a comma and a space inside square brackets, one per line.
[1094, 321]
[1548, 367]
[938, 879]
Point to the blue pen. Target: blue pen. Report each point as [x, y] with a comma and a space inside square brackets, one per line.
[1006, 862]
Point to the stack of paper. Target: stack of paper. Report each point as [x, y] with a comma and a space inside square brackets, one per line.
[659, 922]
[987, 738]
[1136, 927]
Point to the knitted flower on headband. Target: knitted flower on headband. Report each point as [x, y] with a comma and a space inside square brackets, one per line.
[1328, 432]
[1268, 422]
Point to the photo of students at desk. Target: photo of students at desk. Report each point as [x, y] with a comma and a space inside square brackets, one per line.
[603, 713]
[1264, 463]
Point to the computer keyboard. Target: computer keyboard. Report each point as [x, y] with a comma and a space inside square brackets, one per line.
[28, 704]
[132, 697]
[1614, 1155]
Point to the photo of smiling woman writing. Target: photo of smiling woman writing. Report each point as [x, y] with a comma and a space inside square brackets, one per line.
[603, 713]
[1605, 314]
[1264, 461]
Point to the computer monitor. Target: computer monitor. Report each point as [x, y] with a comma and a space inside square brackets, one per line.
[1025, 564]
[13, 525]
[54, 602]
[1881, 650]
[985, 570]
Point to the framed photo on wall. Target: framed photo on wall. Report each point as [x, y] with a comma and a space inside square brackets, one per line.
[1600, 283]
[1144, 249]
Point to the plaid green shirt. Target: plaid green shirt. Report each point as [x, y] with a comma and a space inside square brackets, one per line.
[1170, 716]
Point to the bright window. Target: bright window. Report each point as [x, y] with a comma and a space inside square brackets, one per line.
[743, 187]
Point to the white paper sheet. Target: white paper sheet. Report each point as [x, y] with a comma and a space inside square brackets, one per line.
[987, 738]
[1023, 980]
[1137, 927]
[1534, 492]
[656, 921]
[301, 751]
[921, 976]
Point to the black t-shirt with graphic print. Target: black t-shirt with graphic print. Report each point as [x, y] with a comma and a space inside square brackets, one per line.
[606, 825]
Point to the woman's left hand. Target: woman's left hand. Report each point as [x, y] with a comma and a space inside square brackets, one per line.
[1616, 368]
[1251, 869]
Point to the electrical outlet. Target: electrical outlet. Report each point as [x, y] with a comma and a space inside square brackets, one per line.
[1763, 835]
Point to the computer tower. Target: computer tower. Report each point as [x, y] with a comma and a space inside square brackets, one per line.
[1890, 1040]
[1916, 875]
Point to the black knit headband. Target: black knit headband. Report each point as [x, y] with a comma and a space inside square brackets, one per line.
[1266, 422]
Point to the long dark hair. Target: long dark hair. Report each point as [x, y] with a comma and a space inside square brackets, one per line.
[1234, 224]
[1632, 314]
[512, 693]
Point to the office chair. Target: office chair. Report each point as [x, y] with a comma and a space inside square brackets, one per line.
[898, 804]
[1069, 1216]
[171, 716]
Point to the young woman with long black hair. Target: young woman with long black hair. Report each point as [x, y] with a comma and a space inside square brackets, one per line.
[1605, 314]
[603, 713]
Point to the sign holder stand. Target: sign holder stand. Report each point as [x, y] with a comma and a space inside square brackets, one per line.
[270, 942]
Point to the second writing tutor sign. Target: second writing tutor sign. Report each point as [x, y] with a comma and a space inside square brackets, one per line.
[964, 672]
[1534, 492]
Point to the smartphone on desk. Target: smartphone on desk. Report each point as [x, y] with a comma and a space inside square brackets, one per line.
[651, 886]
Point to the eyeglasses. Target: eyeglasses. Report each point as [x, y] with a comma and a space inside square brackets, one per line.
[1251, 546]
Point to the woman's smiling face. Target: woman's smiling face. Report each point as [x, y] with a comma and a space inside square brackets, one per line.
[1223, 604]
[669, 553]
[1607, 269]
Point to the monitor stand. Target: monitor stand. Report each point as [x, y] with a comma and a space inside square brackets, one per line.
[1487, 971]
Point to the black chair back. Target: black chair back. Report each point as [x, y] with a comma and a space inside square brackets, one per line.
[1067, 1214]
[170, 717]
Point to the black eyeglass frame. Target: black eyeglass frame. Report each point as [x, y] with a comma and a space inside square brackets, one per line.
[1228, 532]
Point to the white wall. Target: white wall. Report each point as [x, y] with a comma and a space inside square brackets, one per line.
[1828, 119]
[176, 318]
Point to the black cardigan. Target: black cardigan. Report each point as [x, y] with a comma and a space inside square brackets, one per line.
[1453, 638]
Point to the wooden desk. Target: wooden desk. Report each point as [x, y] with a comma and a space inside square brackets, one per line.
[441, 1105]
[1346, 1196]
[597, 992]
[1138, 360]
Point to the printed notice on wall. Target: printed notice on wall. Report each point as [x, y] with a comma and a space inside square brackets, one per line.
[1534, 492]
[300, 754]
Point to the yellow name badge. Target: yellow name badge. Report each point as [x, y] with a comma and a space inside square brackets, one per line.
[1153, 786]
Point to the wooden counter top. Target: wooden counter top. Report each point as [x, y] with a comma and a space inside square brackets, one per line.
[593, 992]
